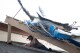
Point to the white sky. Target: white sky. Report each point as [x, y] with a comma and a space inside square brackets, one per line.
[64, 11]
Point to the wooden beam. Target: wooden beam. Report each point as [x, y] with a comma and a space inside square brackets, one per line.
[9, 34]
[68, 47]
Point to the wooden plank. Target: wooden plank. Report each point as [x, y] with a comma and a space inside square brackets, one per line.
[68, 47]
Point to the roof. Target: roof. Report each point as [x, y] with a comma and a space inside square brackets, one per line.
[16, 47]
[4, 27]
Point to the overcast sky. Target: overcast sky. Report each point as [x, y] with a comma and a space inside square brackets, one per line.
[64, 11]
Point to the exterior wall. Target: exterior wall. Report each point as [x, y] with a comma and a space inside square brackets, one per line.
[14, 37]
[3, 36]
[19, 38]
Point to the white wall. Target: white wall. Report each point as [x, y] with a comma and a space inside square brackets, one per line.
[19, 38]
[3, 36]
[14, 37]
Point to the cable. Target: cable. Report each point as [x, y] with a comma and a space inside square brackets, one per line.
[17, 12]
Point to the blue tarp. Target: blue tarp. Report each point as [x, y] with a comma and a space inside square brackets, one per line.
[56, 34]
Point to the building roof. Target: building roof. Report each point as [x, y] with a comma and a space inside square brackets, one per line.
[19, 48]
[4, 27]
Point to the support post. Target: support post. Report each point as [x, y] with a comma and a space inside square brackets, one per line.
[9, 34]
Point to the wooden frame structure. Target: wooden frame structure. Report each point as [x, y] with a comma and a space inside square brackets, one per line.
[66, 46]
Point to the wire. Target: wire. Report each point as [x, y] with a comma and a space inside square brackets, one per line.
[17, 12]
